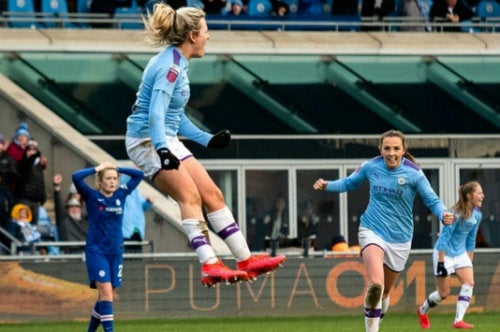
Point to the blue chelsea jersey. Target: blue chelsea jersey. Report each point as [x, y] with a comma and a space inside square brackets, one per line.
[105, 213]
[161, 99]
[459, 237]
[389, 213]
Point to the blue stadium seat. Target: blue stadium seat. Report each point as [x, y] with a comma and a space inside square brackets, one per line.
[327, 7]
[293, 7]
[260, 8]
[83, 6]
[22, 9]
[488, 11]
[131, 12]
[55, 9]
[488, 8]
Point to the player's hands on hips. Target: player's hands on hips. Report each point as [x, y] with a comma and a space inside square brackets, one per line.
[220, 140]
[167, 159]
[448, 218]
[320, 184]
[441, 270]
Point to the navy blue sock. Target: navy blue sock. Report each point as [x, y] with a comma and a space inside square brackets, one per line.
[106, 311]
[95, 318]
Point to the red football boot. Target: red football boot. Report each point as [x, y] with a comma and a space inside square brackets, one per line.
[211, 274]
[424, 320]
[257, 265]
[463, 325]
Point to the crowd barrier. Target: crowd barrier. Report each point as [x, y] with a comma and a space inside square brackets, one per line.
[169, 286]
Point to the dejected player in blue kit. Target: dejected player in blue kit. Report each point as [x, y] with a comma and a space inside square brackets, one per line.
[104, 244]
[386, 227]
[152, 143]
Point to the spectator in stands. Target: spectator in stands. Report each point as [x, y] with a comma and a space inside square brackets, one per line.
[134, 220]
[451, 11]
[152, 143]
[73, 193]
[256, 224]
[418, 11]
[376, 10]
[175, 4]
[30, 188]
[213, 6]
[104, 244]
[48, 231]
[280, 8]
[237, 8]
[345, 8]
[23, 228]
[279, 225]
[18, 144]
[72, 223]
[8, 175]
[308, 224]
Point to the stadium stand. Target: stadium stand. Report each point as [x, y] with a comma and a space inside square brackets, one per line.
[54, 9]
[489, 12]
[21, 14]
[334, 16]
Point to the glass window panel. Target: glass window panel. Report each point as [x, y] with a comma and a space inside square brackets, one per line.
[317, 211]
[268, 211]
[227, 181]
[489, 231]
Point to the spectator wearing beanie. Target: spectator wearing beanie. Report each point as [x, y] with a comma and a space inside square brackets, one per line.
[19, 142]
[30, 189]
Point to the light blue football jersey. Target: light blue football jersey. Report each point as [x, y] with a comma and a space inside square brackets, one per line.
[389, 213]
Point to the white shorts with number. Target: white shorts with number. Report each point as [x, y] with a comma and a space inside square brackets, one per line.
[451, 264]
[395, 254]
[144, 156]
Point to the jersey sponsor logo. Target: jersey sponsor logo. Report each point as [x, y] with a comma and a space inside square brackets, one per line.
[388, 191]
[172, 74]
[117, 209]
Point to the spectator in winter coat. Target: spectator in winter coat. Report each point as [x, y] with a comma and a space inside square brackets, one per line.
[30, 188]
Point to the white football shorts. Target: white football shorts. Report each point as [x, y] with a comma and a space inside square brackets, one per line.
[395, 254]
[451, 264]
[142, 153]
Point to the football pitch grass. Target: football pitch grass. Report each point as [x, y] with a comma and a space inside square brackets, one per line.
[484, 322]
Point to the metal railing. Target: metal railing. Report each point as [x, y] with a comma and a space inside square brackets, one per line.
[32, 247]
[37, 20]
